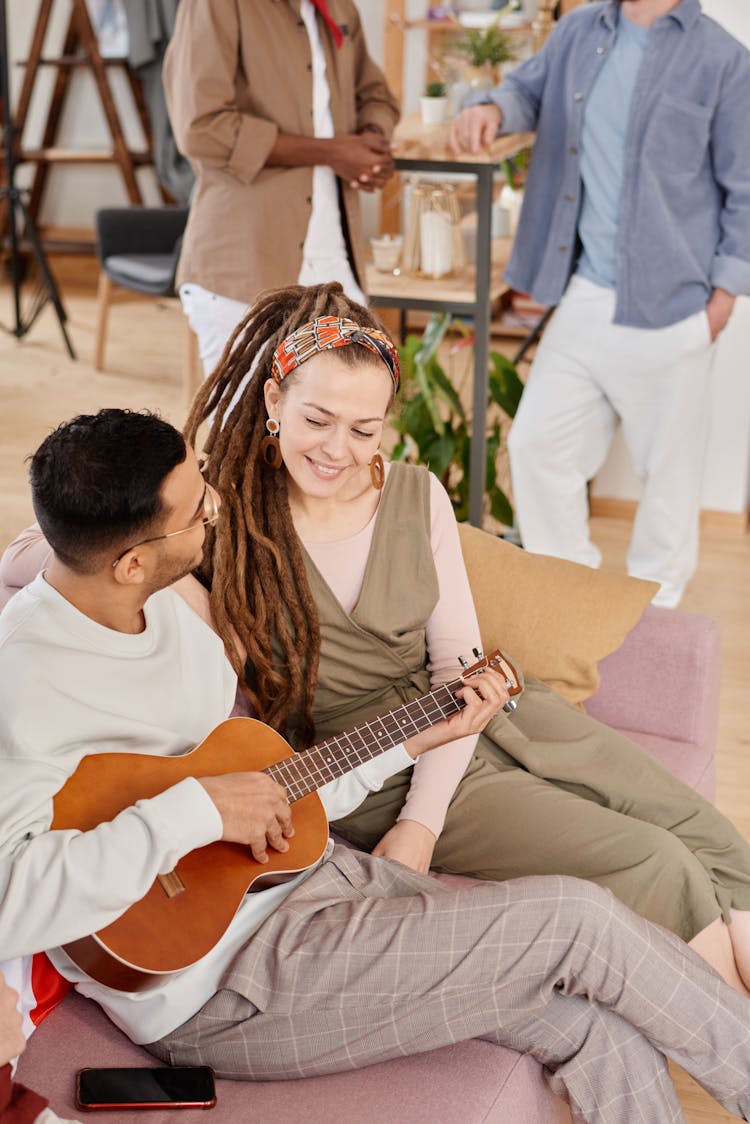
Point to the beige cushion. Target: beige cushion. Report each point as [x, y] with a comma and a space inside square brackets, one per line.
[556, 618]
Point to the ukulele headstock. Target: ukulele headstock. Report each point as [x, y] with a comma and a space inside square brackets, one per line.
[500, 663]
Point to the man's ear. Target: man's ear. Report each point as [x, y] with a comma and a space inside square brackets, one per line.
[129, 569]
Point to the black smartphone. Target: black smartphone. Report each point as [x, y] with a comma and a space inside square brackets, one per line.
[182, 1086]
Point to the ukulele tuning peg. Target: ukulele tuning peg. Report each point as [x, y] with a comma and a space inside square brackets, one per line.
[510, 706]
[464, 662]
[477, 653]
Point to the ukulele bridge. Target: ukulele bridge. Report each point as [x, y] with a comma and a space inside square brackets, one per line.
[171, 883]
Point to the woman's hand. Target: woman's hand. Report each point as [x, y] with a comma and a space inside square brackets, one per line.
[408, 842]
[484, 698]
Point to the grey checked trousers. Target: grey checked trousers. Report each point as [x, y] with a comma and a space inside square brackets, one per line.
[368, 960]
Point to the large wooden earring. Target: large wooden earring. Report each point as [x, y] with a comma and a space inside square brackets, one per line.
[269, 452]
[377, 472]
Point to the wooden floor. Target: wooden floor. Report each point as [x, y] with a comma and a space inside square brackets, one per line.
[40, 387]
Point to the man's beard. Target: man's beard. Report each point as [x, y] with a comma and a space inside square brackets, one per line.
[170, 571]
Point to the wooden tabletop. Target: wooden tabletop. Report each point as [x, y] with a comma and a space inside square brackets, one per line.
[415, 141]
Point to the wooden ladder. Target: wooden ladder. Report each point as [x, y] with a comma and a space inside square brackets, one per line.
[80, 49]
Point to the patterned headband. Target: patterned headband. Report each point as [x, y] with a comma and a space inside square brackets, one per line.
[326, 333]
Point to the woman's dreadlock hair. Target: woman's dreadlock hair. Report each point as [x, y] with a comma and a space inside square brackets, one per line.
[253, 562]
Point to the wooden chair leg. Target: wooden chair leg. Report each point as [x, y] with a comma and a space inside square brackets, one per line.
[103, 300]
[192, 366]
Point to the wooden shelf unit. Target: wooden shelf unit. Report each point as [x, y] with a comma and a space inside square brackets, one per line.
[455, 289]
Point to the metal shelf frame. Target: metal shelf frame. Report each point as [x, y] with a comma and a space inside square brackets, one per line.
[478, 310]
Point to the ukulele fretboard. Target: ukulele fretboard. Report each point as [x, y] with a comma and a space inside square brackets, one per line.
[308, 771]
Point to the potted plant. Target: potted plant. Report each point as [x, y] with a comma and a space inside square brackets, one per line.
[434, 103]
[485, 50]
[433, 427]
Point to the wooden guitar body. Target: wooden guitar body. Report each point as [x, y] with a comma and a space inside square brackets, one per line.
[187, 912]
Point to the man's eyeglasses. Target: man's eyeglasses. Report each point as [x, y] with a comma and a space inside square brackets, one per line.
[209, 515]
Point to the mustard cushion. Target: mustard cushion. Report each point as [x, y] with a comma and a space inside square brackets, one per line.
[556, 618]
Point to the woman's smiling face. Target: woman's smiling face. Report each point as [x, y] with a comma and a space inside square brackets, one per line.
[332, 417]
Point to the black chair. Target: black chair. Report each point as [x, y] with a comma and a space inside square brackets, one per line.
[138, 250]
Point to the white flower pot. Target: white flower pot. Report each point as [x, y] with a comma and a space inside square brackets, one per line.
[434, 110]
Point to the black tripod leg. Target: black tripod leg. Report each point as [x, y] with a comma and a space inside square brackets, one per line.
[49, 281]
[15, 260]
[14, 197]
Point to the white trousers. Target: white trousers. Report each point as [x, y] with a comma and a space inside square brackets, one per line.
[587, 374]
[213, 318]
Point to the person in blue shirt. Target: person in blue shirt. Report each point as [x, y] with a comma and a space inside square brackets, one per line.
[636, 223]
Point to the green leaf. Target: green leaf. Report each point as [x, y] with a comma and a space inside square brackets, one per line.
[462, 327]
[445, 388]
[506, 387]
[406, 352]
[434, 332]
[493, 448]
[489, 44]
[509, 172]
[415, 422]
[422, 380]
[500, 507]
[439, 454]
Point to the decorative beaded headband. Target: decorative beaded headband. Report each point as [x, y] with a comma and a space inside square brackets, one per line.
[326, 333]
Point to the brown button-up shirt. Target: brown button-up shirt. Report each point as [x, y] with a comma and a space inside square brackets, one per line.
[237, 73]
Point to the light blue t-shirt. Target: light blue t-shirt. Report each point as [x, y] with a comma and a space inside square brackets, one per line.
[605, 123]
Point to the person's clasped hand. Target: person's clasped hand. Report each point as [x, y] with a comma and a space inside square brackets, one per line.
[363, 160]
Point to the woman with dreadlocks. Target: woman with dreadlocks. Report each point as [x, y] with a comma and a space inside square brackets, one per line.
[338, 585]
[342, 579]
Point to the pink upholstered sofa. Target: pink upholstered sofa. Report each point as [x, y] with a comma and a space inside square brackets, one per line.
[662, 688]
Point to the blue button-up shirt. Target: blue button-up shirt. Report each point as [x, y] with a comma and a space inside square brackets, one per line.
[684, 218]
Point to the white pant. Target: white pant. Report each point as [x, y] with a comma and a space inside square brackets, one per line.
[588, 372]
[213, 318]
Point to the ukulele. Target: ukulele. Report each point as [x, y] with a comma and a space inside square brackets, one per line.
[187, 911]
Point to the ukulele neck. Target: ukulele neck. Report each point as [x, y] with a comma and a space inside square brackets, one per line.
[306, 772]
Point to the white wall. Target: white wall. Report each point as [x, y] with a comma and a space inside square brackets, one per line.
[726, 485]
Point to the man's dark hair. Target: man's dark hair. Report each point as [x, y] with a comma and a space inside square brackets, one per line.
[96, 480]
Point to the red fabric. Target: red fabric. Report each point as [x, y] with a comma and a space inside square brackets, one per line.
[326, 16]
[49, 987]
[18, 1105]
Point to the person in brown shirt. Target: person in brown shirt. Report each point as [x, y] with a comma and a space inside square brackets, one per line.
[285, 119]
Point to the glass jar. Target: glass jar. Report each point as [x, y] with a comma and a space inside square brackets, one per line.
[433, 243]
